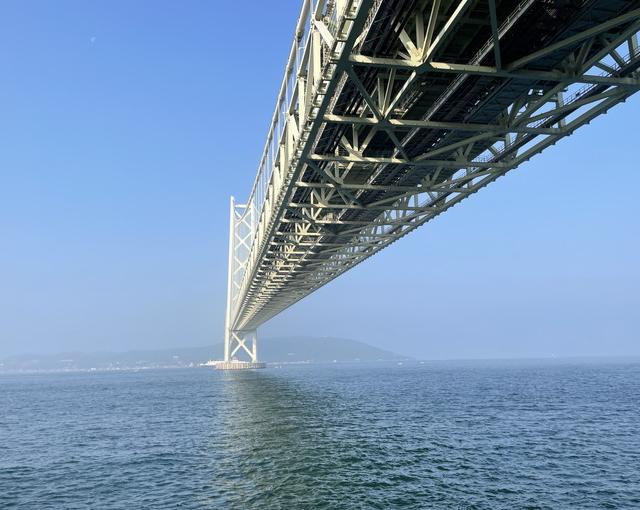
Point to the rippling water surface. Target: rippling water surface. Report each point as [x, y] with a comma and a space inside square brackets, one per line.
[437, 435]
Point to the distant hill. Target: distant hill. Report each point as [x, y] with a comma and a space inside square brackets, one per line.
[272, 350]
[319, 350]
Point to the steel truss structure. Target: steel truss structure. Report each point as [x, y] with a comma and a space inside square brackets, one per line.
[393, 111]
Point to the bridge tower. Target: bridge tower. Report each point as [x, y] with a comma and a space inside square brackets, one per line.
[240, 345]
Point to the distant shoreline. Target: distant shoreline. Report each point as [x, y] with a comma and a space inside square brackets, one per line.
[569, 360]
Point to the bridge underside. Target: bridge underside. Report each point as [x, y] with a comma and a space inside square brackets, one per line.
[392, 111]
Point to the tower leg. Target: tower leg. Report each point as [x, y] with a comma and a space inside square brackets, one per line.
[240, 350]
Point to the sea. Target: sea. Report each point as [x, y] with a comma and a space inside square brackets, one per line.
[547, 434]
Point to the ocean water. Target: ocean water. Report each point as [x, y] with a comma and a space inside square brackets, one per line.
[442, 435]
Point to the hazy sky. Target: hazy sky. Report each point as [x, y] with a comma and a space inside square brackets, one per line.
[124, 128]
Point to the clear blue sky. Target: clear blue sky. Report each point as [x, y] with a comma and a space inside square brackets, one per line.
[124, 128]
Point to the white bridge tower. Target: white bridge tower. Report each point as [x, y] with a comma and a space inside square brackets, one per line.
[240, 345]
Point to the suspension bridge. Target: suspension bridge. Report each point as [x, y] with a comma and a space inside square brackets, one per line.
[391, 112]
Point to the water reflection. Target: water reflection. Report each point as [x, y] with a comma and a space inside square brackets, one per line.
[278, 441]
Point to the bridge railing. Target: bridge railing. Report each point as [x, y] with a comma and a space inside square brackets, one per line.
[289, 105]
[279, 119]
[284, 103]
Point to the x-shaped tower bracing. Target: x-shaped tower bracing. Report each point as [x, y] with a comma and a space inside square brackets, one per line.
[392, 111]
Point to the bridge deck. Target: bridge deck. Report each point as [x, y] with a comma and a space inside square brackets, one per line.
[392, 111]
